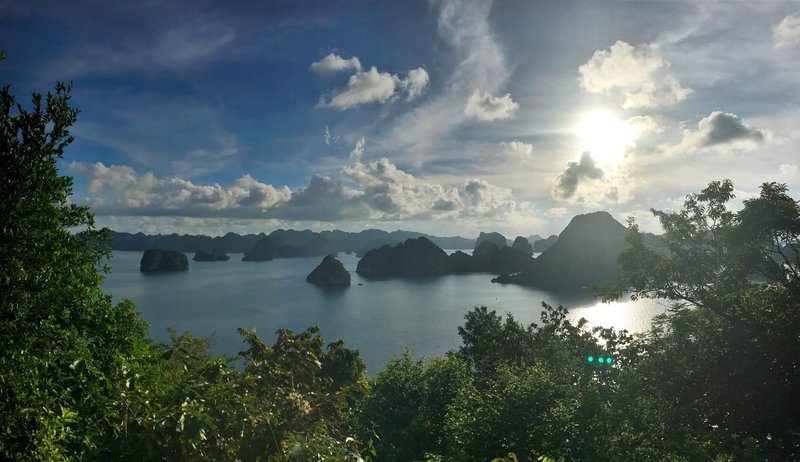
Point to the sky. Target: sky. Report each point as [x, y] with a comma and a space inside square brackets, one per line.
[446, 117]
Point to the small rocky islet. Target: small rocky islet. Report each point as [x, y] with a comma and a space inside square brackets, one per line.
[157, 261]
[329, 273]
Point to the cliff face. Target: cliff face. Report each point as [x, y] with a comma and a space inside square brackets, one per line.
[489, 258]
[584, 255]
[543, 244]
[414, 257]
[522, 246]
[330, 272]
[156, 260]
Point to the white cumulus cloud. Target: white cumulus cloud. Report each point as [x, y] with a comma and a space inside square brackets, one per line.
[373, 86]
[362, 88]
[119, 190]
[638, 72]
[334, 63]
[375, 191]
[486, 107]
[415, 83]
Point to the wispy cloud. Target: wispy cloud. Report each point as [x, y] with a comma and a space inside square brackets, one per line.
[329, 137]
[517, 147]
[481, 63]
[135, 124]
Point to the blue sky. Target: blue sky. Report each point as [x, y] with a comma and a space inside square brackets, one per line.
[444, 117]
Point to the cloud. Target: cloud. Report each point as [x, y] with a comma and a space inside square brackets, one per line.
[324, 199]
[465, 28]
[639, 73]
[334, 63]
[789, 170]
[644, 124]
[517, 147]
[487, 107]
[415, 83]
[567, 182]
[393, 192]
[376, 191]
[358, 150]
[329, 138]
[787, 32]
[362, 88]
[556, 212]
[718, 131]
[193, 44]
[119, 190]
[724, 127]
[373, 86]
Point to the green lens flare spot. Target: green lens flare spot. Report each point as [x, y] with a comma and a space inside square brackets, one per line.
[590, 359]
[609, 360]
[600, 360]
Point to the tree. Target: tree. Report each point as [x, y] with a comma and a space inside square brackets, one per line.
[729, 353]
[62, 337]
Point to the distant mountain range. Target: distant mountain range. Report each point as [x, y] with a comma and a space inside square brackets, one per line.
[583, 255]
[281, 243]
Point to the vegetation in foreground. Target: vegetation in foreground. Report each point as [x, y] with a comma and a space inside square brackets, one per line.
[716, 378]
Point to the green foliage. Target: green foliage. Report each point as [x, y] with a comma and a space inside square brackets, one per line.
[64, 343]
[407, 406]
[491, 398]
[727, 357]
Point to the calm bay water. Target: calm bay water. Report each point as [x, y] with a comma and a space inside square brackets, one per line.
[378, 317]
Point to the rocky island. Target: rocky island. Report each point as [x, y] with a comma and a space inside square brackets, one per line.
[157, 260]
[329, 273]
[289, 244]
[217, 254]
[414, 257]
[421, 257]
[584, 255]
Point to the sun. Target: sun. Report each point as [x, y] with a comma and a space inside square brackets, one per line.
[605, 136]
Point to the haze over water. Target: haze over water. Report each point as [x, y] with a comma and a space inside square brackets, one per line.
[378, 317]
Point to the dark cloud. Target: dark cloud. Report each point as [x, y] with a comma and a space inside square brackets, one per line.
[720, 131]
[568, 180]
[724, 127]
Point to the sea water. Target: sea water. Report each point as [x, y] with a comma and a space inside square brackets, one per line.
[379, 317]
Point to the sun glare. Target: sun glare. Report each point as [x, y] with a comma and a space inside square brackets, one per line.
[605, 136]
